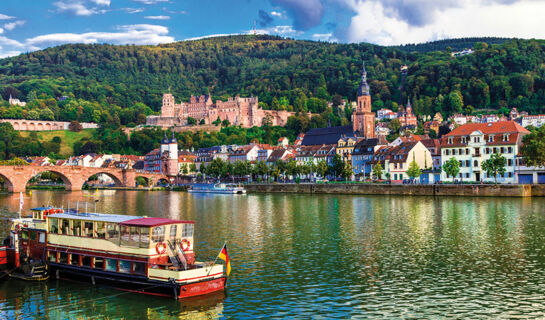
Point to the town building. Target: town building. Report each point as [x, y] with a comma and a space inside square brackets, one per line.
[363, 155]
[16, 102]
[306, 154]
[395, 160]
[406, 117]
[473, 143]
[164, 159]
[345, 147]
[280, 154]
[536, 120]
[238, 111]
[386, 114]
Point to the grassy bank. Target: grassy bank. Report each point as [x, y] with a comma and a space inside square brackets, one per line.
[68, 138]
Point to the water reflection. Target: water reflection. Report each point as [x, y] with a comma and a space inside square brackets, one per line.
[328, 256]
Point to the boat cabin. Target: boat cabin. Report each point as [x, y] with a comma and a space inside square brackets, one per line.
[118, 243]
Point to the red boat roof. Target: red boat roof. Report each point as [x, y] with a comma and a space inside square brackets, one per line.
[153, 222]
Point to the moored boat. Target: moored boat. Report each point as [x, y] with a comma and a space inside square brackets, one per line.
[142, 254]
[221, 188]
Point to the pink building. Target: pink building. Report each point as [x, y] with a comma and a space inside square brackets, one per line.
[244, 112]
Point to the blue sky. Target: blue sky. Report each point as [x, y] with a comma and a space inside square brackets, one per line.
[28, 25]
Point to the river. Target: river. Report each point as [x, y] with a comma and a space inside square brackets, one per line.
[321, 256]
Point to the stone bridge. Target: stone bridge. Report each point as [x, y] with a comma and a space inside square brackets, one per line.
[17, 177]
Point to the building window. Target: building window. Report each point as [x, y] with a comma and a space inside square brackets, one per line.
[502, 150]
[468, 163]
[401, 166]
[475, 163]
[509, 150]
[509, 162]
[467, 151]
[491, 138]
[506, 137]
[460, 151]
[449, 140]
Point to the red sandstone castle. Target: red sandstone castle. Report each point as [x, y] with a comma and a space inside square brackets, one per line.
[238, 111]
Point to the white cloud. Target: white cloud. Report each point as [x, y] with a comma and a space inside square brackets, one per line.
[127, 34]
[213, 36]
[157, 17]
[278, 30]
[133, 10]
[5, 17]
[324, 37]
[12, 25]
[79, 7]
[1, 30]
[277, 14]
[376, 23]
[101, 2]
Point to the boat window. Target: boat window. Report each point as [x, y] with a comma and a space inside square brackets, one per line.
[33, 235]
[138, 268]
[65, 226]
[24, 235]
[74, 260]
[144, 237]
[124, 266]
[88, 227]
[173, 228]
[101, 230]
[76, 228]
[63, 257]
[111, 265]
[86, 261]
[52, 256]
[53, 225]
[99, 263]
[158, 234]
[187, 231]
[135, 237]
[112, 230]
[125, 235]
[41, 238]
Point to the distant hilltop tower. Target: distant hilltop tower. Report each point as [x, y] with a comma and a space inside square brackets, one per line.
[363, 120]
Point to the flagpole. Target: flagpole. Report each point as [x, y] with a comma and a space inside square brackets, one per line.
[217, 257]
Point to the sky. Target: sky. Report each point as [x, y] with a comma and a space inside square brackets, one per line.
[29, 25]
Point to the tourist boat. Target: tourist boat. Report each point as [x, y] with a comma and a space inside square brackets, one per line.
[141, 254]
[217, 188]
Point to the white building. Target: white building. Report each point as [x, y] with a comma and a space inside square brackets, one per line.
[16, 102]
[536, 121]
[473, 143]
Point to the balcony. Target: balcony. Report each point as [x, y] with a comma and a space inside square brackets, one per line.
[476, 155]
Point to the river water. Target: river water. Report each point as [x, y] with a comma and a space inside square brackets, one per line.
[321, 256]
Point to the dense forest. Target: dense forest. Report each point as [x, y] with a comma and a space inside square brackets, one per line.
[121, 85]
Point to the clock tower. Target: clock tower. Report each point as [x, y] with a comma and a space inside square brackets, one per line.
[363, 120]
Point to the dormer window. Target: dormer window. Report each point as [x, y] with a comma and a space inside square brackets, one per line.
[506, 137]
[449, 140]
[464, 140]
[491, 138]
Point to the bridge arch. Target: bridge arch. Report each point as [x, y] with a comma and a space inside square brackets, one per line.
[6, 183]
[67, 182]
[117, 180]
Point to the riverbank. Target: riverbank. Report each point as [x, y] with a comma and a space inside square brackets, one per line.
[470, 190]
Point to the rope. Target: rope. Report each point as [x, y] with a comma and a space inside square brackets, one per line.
[7, 273]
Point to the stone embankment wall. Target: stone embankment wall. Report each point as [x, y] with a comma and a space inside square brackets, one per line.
[39, 125]
[405, 190]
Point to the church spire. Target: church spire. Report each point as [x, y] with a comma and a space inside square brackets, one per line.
[364, 87]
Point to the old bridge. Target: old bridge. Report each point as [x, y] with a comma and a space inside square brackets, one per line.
[17, 177]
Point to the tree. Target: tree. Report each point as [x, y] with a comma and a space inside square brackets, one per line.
[414, 170]
[347, 171]
[191, 121]
[494, 165]
[75, 126]
[337, 165]
[394, 125]
[377, 170]
[533, 148]
[451, 167]
[225, 123]
[321, 168]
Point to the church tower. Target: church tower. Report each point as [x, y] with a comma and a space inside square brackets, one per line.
[363, 120]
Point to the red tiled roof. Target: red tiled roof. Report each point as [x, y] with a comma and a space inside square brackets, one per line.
[488, 128]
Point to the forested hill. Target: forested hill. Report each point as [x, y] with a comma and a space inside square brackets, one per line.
[452, 44]
[121, 83]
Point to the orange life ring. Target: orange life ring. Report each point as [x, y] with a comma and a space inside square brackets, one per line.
[186, 244]
[161, 248]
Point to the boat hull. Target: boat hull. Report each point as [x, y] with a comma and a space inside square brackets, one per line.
[218, 191]
[139, 284]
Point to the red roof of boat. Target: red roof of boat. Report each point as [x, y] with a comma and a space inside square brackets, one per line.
[153, 222]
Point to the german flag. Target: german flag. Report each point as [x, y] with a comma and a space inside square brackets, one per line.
[225, 257]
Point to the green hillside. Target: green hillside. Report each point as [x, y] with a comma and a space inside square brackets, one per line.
[119, 83]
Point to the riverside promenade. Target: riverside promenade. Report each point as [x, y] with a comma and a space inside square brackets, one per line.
[470, 190]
